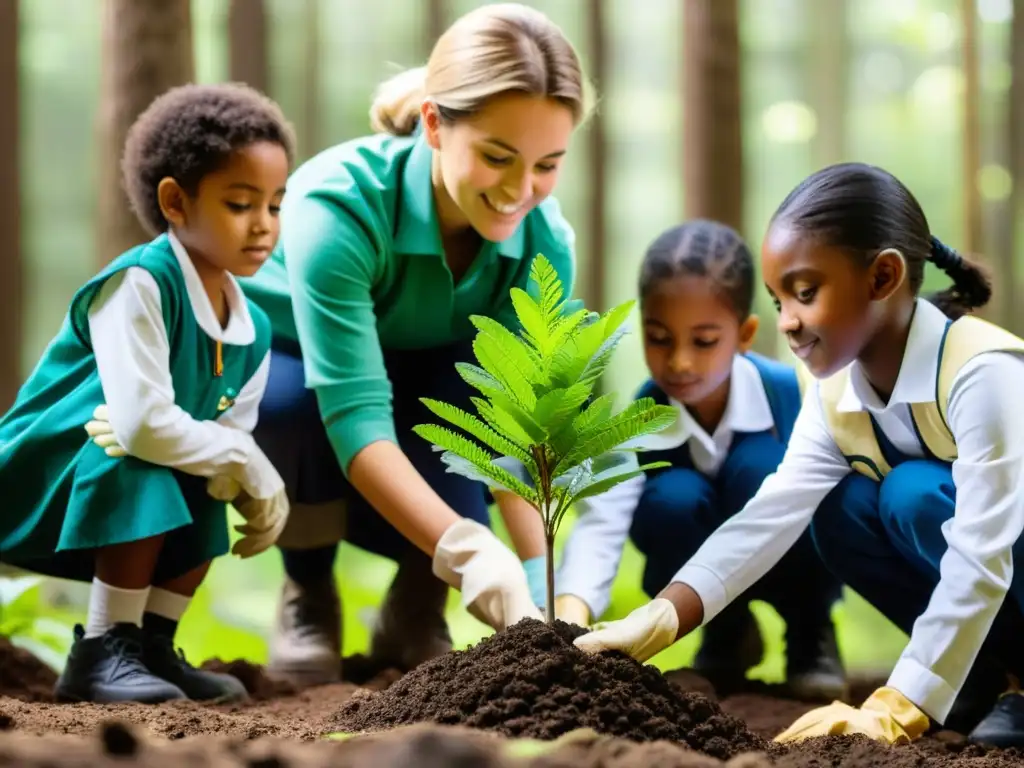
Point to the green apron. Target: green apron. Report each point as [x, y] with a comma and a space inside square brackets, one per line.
[62, 495]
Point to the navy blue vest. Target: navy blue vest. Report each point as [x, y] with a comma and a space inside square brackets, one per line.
[780, 385]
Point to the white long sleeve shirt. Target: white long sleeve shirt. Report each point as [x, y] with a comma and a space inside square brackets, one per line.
[975, 571]
[593, 551]
[132, 353]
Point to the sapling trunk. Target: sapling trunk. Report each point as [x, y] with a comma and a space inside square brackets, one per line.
[538, 412]
[549, 546]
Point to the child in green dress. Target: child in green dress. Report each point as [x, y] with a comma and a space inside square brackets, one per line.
[166, 360]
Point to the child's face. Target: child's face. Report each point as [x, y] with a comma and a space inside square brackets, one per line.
[826, 302]
[691, 334]
[232, 222]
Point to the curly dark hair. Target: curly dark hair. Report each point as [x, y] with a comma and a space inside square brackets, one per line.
[187, 133]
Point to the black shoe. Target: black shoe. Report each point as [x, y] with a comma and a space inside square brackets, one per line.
[731, 645]
[110, 668]
[814, 671]
[980, 692]
[1004, 725]
[198, 684]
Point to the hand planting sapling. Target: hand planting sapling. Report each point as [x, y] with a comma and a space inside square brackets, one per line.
[539, 432]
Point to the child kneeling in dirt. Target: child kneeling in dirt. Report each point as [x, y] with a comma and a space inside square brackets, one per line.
[905, 464]
[166, 361]
[736, 411]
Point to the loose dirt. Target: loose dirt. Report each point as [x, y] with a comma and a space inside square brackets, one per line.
[531, 681]
[279, 727]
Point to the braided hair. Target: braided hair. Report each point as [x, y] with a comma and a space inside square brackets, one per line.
[865, 210]
[706, 249]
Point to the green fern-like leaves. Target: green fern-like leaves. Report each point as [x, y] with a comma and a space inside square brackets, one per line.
[537, 403]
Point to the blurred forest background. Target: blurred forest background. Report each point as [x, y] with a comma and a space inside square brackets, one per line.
[707, 108]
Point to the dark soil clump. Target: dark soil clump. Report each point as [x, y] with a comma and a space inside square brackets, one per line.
[253, 677]
[23, 676]
[532, 681]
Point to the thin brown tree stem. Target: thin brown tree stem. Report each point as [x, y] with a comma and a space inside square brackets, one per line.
[549, 545]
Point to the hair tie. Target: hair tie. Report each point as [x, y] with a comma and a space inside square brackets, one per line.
[944, 257]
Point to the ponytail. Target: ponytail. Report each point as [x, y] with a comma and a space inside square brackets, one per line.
[972, 286]
[396, 106]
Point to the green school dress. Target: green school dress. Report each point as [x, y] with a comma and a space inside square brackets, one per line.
[63, 496]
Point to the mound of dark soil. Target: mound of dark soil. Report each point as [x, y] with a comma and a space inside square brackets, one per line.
[532, 681]
[23, 676]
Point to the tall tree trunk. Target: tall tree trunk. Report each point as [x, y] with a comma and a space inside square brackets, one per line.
[436, 23]
[1000, 148]
[971, 128]
[309, 127]
[712, 119]
[712, 129]
[827, 69]
[597, 156]
[147, 49]
[247, 41]
[10, 212]
[1014, 316]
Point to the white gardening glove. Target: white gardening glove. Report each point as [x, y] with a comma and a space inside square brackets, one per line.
[645, 632]
[102, 433]
[264, 521]
[491, 578]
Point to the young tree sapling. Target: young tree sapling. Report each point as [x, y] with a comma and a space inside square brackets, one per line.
[539, 432]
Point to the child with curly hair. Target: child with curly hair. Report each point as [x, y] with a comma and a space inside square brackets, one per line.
[166, 360]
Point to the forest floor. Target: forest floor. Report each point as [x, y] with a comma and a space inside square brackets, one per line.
[279, 726]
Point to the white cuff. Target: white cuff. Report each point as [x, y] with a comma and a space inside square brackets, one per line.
[709, 588]
[926, 690]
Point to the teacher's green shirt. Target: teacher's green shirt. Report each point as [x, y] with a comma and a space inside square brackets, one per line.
[360, 268]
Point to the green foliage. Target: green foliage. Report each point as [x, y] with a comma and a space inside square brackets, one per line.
[540, 433]
[24, 621]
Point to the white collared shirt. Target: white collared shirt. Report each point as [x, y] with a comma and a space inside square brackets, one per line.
[591, 556]
[132, 352]
[975, 571]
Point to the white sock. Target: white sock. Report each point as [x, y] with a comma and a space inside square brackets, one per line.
[168, 604]
[111, 605]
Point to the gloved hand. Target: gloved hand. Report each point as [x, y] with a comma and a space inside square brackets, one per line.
[264, 521]
[886, 716]
[646, 631]
[572, 610]
[536, 569]
[223, 488]
[258, 477]
[492, 581]
[102, 433]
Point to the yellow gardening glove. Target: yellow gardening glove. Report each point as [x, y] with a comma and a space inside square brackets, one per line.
[102, 433]
[643, 633]
[886, 716]
[572, 610]
[223, 488]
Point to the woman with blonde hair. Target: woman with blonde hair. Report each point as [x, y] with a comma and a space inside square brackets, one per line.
[389, 243]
